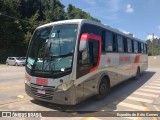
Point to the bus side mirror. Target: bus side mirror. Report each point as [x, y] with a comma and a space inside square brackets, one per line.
[83, 42]
[82, 45]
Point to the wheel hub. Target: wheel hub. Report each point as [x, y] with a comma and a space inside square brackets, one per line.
[103, 88]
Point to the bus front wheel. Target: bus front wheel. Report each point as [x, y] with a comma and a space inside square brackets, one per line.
[103, 89]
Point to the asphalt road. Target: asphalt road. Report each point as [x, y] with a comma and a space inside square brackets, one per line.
[132, 95]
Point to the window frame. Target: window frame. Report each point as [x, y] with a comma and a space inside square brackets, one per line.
[145, 48]
[142, 48]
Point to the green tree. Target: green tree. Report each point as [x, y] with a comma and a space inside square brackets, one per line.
[19, 19]
[76, 13]
[11, 33]
[53, 10]
[153, 46]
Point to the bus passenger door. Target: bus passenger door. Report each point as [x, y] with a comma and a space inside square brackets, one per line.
[89, 54]
[88, 60]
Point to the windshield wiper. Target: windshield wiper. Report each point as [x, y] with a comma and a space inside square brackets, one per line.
[65, 55]
[57, 58]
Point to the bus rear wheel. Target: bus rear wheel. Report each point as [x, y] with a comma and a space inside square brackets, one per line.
[137, 74]
[103, 89]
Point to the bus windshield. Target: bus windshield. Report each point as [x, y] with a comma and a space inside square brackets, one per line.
[52, 48]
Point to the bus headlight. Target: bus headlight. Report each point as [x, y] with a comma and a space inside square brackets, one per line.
[26, 82]
[65, 86]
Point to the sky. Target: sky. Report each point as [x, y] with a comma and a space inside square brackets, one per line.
[140, 17]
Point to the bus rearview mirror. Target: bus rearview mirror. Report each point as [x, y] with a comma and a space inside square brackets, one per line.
[83, 42]
[82, 45]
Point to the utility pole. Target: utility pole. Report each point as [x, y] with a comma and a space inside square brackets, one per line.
[152, 42]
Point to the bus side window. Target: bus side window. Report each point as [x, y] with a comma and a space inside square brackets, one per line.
[108, 41]
[120, 43]
[129, 45]
[135, 47]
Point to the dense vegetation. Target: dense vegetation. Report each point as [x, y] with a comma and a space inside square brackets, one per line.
[153, 47]
[19, 18]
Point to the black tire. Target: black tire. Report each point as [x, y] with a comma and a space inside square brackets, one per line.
[137, 74]
[103, 89]
[37, 101]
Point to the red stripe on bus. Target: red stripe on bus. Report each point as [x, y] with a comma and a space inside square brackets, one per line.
[86, 36]
[136, 61]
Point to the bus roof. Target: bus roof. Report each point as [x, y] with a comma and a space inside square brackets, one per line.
[72, 21]
[81, 21]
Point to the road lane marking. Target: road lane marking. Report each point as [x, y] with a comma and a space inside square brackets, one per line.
[140, 99]
[154, 84]
[148, 90]
[134, 118]
[154, 118]
[156, 108]
[14, 102]
[91, 118]
[147, 109]
[140, 118]
[146, 94]
[152, 87]
[141, 108]
[132, 106]
[8, 88]
[156, 81]
[21, 96]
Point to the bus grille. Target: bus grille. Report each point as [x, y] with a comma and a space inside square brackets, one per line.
[49, 90]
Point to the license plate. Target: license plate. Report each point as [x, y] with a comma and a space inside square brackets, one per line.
[41, 81]
[41, 91]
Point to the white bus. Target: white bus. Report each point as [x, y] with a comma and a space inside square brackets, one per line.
[71, 60]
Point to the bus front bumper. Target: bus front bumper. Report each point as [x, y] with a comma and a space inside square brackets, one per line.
[59, 97]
